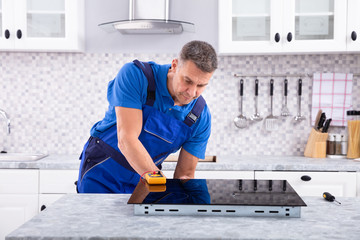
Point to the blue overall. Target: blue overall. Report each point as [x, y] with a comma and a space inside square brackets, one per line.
[104, 169]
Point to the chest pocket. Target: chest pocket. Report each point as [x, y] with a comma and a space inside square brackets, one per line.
[164, 128]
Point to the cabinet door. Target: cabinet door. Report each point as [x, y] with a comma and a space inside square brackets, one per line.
[19, 181]
[342, 184]
[249, 26]
[314, 26]
[58, 181]
[16, 209]
[50, 25]
[353, 27]
[6, 24]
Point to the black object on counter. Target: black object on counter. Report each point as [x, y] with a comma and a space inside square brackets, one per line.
[326, 125]
[328, 197]
[321, 121]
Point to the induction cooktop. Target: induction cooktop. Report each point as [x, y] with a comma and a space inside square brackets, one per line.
[219, 197]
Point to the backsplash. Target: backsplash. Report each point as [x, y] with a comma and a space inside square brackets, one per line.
[53, 99]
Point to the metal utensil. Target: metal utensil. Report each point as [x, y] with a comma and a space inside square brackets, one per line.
[271, 120]
[256, 116]
[284, 110]
[298, 116]
[241, 121]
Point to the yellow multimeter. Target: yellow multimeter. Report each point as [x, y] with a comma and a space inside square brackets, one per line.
[155, 178]
[155, 188]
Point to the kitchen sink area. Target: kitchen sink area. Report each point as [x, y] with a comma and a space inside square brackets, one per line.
[20, 157]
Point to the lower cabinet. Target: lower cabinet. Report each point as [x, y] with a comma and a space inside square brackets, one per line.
[15, 210]
[340, 184]
[54, 184]
[18, 198]
[58, 181]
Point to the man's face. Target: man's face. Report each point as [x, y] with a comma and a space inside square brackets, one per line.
[188, 82]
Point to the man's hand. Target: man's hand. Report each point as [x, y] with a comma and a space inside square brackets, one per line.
[186, 165]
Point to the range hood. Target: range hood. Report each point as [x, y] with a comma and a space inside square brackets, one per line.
[148, 17]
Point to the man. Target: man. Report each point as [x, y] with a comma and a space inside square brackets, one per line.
[154, 110]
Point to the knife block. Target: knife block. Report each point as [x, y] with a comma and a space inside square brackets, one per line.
[316, 144]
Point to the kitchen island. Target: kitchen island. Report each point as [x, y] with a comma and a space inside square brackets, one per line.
[108, 216]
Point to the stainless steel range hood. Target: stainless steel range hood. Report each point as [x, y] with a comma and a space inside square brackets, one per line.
[145, 21]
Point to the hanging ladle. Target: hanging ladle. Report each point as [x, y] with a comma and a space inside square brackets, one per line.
[256, 116]
[298, 116]
[241, 121]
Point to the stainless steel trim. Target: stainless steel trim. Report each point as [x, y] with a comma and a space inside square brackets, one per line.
[310, 75]
[218, 210]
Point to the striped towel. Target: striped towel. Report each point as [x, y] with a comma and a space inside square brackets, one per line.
[332, 94]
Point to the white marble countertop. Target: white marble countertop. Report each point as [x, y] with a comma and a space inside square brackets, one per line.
[107, 216]
[224, 163]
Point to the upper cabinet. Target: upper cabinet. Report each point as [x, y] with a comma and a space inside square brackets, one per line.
[288, 26]
[353, 26]
[42, 25]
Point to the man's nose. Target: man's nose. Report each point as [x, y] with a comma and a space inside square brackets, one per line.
[192, 91]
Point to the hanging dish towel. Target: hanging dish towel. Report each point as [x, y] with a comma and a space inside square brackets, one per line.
[332, 94]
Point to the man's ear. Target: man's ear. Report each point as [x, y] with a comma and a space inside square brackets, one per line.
[174, 65]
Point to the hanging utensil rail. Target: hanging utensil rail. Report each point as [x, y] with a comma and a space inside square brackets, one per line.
[280, 75]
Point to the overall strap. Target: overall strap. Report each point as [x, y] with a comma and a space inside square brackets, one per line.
[195, 112]
[147, 70]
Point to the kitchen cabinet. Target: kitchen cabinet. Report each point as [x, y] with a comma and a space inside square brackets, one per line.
[18, 198]
[218, 174]
[54, 184]
[287, 26]
[40, 25]
[341, 184]
[353, 25]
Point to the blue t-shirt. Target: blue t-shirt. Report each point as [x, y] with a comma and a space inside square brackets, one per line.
[129, 89]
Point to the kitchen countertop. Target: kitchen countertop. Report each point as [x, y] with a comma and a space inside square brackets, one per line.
[224, 163]
[107, 216]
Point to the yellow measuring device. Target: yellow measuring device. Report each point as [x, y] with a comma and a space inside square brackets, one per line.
[155, 177]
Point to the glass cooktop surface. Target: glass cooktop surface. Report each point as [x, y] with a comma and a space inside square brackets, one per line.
[217, 192]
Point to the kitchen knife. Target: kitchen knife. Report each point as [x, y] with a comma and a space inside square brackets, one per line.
[321, 121]
[317, 119]
[326, 125]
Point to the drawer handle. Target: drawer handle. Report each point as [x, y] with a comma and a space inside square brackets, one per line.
[277, 37]
[43, 207]
[306, 178]
[19, 34]
[353, 36]
[7, 34]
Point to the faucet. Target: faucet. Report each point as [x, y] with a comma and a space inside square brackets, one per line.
[6, 117]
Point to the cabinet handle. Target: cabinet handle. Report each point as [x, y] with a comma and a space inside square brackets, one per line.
[19, 34]
[42, 208]
[353, 36]
[277, 37]
[289, 37]
[7, 34]
[306, 178]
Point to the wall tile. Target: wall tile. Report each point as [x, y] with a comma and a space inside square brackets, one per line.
[53, 99]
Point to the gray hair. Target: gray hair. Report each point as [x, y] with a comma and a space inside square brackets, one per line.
[201, 53]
